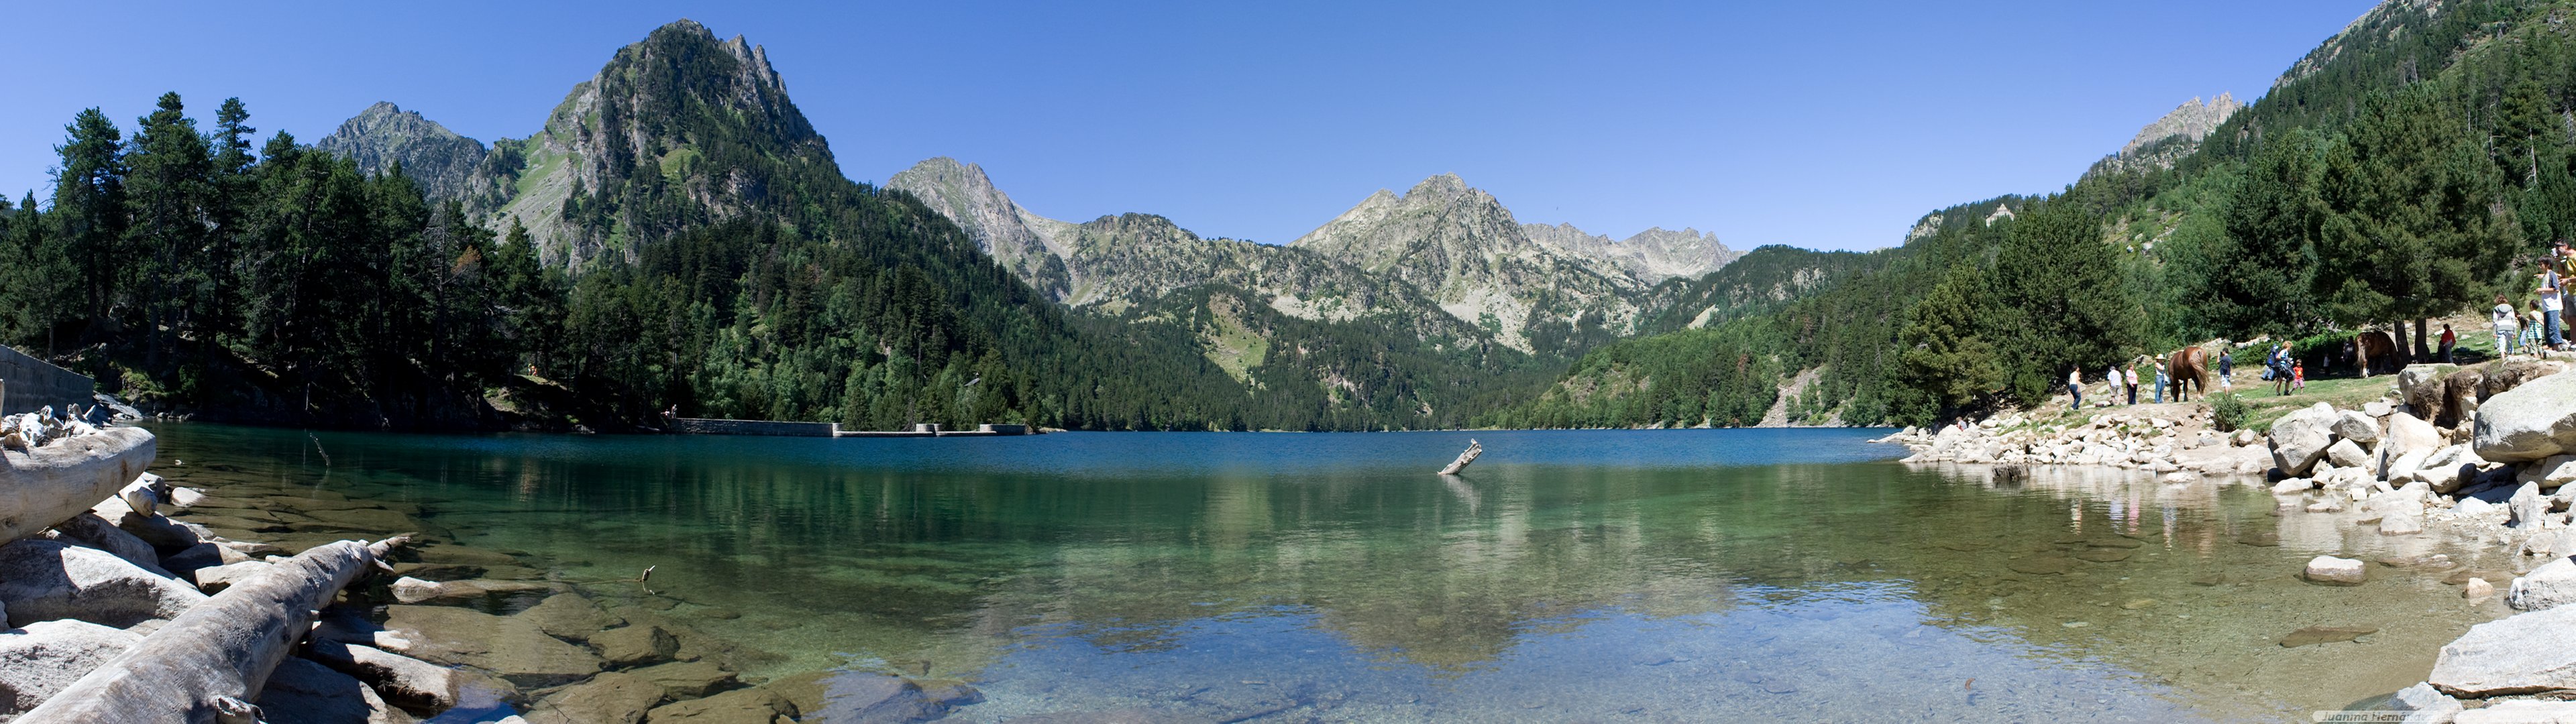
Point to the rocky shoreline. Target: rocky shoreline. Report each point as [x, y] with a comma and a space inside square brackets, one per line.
[2478, 456]
[449, 634]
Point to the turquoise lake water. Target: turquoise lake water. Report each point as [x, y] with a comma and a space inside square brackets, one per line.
[1680, 575]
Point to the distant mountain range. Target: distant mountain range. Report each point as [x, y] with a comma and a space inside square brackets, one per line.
[684, 131]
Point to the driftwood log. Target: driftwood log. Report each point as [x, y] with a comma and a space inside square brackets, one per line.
[57, 481]
[1474, 450]
[206, 663]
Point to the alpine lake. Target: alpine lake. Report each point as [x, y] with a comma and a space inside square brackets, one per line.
[1653, 575]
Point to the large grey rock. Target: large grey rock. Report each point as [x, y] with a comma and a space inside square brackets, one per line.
[2408, 434]
[636, 645]
[610, 698]
[45, 657]
[2345, 454]
[411, 683]
[2528, 507]
[2529, 422]
[2549, 586]
[2356, 426]
[92, 530]
[2549, 472]
[2515, 711]
[303, 692]
[43, 580]
[2421, 386]
[509, 646]
[215, 580]
[2427, 703]
[2300, 438]
[2518, 654]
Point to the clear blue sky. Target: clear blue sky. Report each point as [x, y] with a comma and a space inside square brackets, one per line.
[1825, 125]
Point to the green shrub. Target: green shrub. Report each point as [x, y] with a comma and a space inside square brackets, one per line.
[2228, 413]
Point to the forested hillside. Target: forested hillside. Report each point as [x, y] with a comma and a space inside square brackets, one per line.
[2407, 168]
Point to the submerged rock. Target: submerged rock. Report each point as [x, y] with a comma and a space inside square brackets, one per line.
[747, 706]
[516, 649]
[570, 616]
[686, 679]
[2042, 565]
[2313, 635]
[636, 645]
[408, 682]
[610, 698]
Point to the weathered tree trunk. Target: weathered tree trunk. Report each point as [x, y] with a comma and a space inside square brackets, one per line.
[218, 654]
[2403, 357]
[1474, 450]
[54, 482]
[2423, 352]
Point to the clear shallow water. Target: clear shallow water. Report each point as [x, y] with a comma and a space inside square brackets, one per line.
[1637, 575]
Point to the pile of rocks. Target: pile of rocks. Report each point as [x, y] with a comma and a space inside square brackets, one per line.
[2180, 446]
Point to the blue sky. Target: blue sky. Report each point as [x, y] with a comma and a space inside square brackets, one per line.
[1824, 125]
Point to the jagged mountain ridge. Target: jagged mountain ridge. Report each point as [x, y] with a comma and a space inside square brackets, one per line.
[384, 134]
[1440, 245]
[2193, 120]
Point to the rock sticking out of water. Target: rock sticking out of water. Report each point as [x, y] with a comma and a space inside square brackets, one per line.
[2313, 635]
[2334, 571]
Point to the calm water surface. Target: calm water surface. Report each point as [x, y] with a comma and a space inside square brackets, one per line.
[1615, 575]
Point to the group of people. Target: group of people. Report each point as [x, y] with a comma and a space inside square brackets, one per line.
[2542, 324]
[2128, 380]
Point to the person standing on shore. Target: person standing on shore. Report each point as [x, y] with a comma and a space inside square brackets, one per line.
[2133, 383]
[2075, 387]
[2161, 381]
[2226, 367]
[2530, 326]
[2505, 326]
[2551, 308]
[2116, 383]
[2449, 340]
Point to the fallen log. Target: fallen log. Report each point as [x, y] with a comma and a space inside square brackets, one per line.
[1474, 450]
[56, 481]
[204, 664]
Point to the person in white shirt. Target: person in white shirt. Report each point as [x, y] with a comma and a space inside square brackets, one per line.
[2505, 325]
[2075, 387]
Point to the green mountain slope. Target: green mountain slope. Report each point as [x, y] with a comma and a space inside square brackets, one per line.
[2404, 169]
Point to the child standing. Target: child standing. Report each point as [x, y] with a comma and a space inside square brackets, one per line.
[2299, 375]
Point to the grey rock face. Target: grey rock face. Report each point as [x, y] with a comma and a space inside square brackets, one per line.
[2532, 421]
[2192, 120]
[44, 580]
[45, 657]
[635, 645]
[384, 134]
[2300, 438]
[2528, 506]
[1650, 256]
[2549, 586]
[2523, 653]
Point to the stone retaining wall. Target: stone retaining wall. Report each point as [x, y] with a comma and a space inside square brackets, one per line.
[34, 383]
[704, 426]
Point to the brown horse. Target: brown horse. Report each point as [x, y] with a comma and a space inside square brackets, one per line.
[2188, 366]
[2375, 352]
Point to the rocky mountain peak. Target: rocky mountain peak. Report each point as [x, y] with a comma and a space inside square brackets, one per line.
[2192, 120]
[383, 134]
[680, 115]
[1023, 242]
